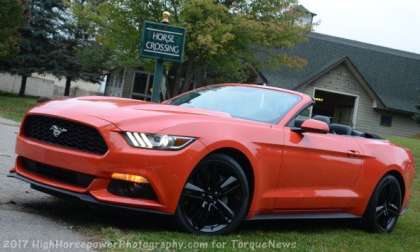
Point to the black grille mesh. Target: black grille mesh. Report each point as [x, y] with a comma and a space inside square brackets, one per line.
[77, 135]
[58, 174]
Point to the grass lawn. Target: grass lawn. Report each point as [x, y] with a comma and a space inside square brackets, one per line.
[14, 107]
[129, 228]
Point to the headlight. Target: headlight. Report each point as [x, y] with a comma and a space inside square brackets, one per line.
[157, 141]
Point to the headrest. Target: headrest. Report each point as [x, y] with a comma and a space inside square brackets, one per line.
[325, 119]
[340, 129]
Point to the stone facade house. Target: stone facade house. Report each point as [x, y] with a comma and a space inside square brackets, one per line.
[368, 87]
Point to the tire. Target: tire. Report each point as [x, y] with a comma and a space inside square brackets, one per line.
[215, 197]
[384, 207]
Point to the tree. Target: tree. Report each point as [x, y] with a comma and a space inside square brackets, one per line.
[222, 35]
[11, 19]
[68, 65]
[40, 36]
[84, 61]
[78, 56]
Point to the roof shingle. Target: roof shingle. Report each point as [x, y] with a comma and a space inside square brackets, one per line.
[394, 75]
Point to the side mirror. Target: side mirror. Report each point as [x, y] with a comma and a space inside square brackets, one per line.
[315, 126]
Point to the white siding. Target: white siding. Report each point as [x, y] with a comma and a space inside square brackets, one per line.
[46, 85]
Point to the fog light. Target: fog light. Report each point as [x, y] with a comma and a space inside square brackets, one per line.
[131, 178]
[131, 189]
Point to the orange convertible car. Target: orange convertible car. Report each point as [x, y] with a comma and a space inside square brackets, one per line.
[214, 157]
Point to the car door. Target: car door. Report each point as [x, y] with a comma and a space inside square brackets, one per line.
[319, 171]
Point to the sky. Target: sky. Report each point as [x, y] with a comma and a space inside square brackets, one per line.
[389, 23]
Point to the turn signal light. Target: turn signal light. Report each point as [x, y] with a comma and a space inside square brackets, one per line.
[131, 178]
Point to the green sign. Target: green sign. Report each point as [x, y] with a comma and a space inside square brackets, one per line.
[162, 41]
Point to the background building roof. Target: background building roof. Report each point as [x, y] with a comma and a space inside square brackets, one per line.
[392, 74]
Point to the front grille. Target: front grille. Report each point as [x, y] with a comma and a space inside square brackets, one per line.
[65, 133]
[57, 174]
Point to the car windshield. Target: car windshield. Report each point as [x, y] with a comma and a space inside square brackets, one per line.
[250, 103]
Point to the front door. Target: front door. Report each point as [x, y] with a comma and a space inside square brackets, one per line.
[319, 171]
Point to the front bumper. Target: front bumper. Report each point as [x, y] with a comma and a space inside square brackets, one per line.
[166, 171]
[74, 195]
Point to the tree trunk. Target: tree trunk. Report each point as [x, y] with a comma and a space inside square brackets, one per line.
[189, 75]
[200, 79]
[23, 85]
[176, 83]
[68, 84]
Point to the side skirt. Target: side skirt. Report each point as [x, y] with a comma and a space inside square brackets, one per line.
[293, 216]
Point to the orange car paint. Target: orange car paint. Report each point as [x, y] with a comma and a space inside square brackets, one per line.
[292, 172]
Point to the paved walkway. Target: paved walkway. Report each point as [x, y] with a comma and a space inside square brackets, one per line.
[29, 220]
[8, 122]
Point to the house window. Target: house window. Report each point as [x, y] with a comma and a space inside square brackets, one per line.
[142, 86]
[386, 120]
[140, 83]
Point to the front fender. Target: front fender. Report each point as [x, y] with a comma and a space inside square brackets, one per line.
[385, 158]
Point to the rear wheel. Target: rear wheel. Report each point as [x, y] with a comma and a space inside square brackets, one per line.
[384, 207]
[215, 197]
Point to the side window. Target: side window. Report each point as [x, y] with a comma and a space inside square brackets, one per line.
[299, 118]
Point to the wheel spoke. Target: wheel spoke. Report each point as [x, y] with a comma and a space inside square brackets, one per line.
[227, 212]
[385, 222]
[387, 191]
[213, 197]
[229, 185]
[193, 191]
[382, 197]
[197, 219]
[203, 219]
[393, 209]
[380, 213]
[380, 209]
[214, 177]
[210, 175]
[388, 205]
[223, 216]
[228, 182]
[388, 222]
[393, 206]
[392, 194]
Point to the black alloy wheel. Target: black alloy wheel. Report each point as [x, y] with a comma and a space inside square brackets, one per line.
[385, 206]
[215, 197]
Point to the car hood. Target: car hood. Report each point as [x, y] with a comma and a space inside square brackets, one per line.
[128, 114]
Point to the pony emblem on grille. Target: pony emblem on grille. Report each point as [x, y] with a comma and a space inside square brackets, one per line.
[57, 131]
